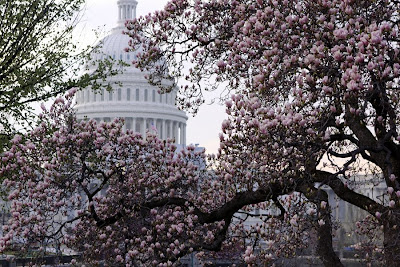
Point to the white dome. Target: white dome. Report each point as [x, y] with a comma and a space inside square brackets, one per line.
[115, 46]
[115, 43]
[139, 103]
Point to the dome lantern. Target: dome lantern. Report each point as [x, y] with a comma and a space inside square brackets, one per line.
[126, 11]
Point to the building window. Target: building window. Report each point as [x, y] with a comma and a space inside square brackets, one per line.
[94, 96]
[102, 94]
[120, 56]
[160, 98]
[83, 96]
[88, 96]
[146, 95]
[128, 57]
[128, 94]
[137, 95]
[153, 97]
[119, 94]
[110, 96]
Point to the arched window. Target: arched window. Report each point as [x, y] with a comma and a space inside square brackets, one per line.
[128, 94]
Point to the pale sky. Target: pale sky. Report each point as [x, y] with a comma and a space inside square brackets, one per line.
[203, 129]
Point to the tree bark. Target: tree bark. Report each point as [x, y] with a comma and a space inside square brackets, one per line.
[391, 241]
[324, 232]
[325, 247]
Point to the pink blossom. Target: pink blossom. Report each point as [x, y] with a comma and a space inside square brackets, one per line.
[221, 64]
[390, 190]
[340, 33]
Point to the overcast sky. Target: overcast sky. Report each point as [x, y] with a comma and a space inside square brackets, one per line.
[102, 14]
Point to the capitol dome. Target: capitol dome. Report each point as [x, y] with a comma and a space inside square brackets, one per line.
[138, 102]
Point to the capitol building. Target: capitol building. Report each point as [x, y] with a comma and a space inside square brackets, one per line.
[136, 101]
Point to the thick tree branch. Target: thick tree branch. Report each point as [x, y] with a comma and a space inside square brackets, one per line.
[342, 191]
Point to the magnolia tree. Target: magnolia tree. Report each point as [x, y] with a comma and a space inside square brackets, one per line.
[315, 102]
[123, 200]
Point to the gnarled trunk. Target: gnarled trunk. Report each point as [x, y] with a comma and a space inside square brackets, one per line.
[391, 241]
[324, 229]
[324, 246]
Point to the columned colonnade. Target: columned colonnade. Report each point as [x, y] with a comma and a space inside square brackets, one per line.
[163, 128]
[126, 10]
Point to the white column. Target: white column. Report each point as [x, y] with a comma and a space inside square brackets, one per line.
[181, 138]
[134, 125]
[158, 128]
[143, 128]
[176, 133]
[170, 130]
[124, 126]
[164, 132]
[184, 134]
[151, 125]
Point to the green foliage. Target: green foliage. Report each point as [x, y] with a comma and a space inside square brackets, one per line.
[38, 59]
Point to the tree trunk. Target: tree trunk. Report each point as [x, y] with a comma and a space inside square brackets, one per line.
[391, 241]
[324, 246]
[324, 230]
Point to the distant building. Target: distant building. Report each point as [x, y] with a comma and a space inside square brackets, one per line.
[346, 241]
[346, 214]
